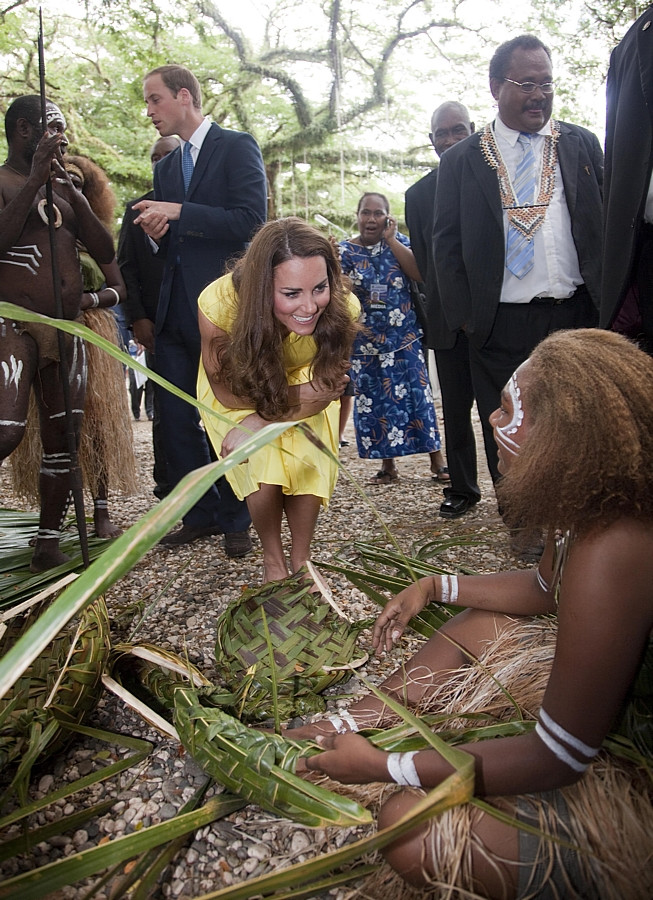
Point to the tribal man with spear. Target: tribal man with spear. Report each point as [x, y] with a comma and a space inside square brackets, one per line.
[30, 354]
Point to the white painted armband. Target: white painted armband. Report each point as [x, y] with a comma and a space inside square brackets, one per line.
[401, 768]
[448, 589]
[555, 737]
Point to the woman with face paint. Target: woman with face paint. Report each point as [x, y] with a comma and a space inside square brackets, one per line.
[568, 641]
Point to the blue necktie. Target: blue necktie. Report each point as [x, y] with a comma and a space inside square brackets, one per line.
[187, 165]
[520, 251]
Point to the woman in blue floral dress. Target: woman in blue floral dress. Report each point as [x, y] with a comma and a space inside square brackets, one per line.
[393, 408]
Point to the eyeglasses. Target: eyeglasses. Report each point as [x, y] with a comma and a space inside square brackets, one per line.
[529, 86]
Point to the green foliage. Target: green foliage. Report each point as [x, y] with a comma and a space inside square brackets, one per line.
[331, 91]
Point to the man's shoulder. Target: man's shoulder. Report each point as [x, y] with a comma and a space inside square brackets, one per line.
[462, 149]
[579, 130]
[218, 133]
[425, 182]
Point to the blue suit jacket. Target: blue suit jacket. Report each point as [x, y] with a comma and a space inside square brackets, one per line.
[226, 202]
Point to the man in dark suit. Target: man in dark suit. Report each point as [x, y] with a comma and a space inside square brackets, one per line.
[449, 124]
[209, 199]
[142, 272]
[517, 231]
[627, 288]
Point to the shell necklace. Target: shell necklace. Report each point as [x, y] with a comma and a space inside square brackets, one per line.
[525, 219]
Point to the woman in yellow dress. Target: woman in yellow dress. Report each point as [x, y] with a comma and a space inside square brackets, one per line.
[276, 339]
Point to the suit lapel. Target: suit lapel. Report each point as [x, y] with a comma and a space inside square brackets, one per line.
[208, 148]
[487, 182]
[568, 150]
[644, 38]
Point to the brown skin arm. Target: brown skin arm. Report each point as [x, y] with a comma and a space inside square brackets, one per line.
[306, 399]
[403, 254]
[605, 620]
[516, 593]
[113, 280]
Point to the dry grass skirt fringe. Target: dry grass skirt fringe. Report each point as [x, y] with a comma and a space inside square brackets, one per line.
[106, 450]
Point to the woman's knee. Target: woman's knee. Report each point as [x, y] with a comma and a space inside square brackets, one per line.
[405, 855]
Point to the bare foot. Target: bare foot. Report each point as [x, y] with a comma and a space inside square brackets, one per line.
[274, 571]
[104, 527]
[47, 559]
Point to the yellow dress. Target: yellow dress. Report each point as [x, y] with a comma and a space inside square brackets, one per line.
[291, 460]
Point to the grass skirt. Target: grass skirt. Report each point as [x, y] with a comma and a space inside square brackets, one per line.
[609, 811]
[106, 451]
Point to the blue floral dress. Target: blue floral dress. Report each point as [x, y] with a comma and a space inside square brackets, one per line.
[393, 408]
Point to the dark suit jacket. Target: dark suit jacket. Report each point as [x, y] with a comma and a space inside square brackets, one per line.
[469, 242]
[628, 158]
[141, 269]
[420, 207]
[226, 202]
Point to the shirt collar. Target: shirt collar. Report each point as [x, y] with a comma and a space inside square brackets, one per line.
[197, 137]
[510, 135]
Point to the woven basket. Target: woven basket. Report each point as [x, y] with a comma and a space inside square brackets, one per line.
[309, 638]
[63, 684]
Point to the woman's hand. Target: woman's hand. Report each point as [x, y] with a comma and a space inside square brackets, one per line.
[314, 396]
[235, 436]
[398, 612]
[347, 758]
[390, 230]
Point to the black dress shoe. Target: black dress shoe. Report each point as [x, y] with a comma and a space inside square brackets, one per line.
[187, 534]
[455, 506]
[237, 543]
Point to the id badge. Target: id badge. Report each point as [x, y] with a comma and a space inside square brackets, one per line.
[378, 296]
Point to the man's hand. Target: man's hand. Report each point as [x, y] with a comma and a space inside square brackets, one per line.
[348, 758]
[46, 151]
[143, 330]
[155, 216]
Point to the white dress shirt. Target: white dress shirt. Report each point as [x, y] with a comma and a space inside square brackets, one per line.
[555, 271]
[197, 139]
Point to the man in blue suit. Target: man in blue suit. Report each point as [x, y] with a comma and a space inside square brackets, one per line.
[209, 197]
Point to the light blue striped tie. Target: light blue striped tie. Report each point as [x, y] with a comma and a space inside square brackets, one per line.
[520, 251]
[187, 165]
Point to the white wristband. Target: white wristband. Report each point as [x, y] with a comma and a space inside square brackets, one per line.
[95, 300]
[114, 291]
[401, 769]
[339, 723]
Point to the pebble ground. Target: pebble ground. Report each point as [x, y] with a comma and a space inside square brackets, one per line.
[173, 598]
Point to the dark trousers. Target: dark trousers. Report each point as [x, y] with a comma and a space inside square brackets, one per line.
[455, 378]
[518, 329]
[644, 282]
[185, 444]
[136, 395]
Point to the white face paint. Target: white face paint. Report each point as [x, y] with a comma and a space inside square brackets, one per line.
[504, 434]
[53, 114]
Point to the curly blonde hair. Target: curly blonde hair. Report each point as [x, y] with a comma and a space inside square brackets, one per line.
[251, 362]
[587, 458]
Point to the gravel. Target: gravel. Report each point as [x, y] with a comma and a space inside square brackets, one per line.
[173, 598]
